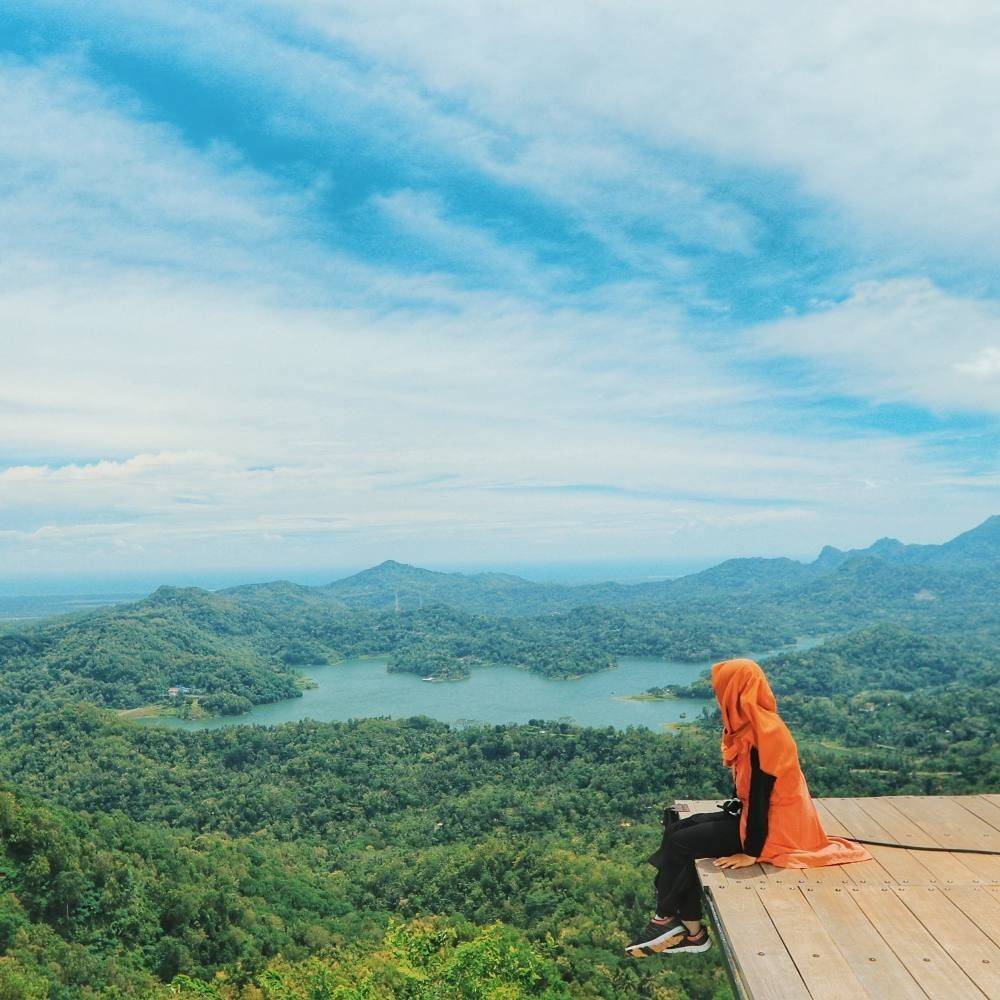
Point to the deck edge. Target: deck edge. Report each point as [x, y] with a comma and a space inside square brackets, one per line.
[737, 980]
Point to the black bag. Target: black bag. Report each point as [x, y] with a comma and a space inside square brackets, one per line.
[670, 818]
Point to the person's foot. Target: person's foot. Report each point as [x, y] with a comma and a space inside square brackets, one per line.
[654, 936]
[699, 941]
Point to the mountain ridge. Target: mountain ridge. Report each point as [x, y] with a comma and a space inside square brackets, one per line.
[245, 641]
[379, 586]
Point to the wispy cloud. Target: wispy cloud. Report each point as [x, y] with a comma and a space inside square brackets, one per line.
[904, 340]
[878, 110]
[315, 283]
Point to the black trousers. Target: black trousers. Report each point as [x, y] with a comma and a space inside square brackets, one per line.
[703, 835]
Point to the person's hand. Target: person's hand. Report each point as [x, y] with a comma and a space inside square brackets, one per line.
[735, 861]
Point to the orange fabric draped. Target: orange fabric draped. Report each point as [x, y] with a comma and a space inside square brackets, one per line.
[795, 836]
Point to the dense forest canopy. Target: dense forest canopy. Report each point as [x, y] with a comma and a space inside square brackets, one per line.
[408, 858]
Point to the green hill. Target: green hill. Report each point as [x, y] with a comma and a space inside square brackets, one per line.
[239, 646]
[496, 593]
[252, 862]
[130, 654]
[161, 852]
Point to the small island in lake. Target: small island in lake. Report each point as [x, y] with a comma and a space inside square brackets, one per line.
[667, 693]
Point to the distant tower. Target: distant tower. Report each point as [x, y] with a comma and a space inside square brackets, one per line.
[397, 602]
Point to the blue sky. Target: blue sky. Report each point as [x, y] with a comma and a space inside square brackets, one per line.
[314, 284]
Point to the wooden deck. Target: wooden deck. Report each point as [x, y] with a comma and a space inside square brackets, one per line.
[906, 924]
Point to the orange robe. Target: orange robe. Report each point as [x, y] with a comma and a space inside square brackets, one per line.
[795, 836]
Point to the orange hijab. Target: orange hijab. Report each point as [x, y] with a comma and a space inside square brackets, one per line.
[795, 836]
[750, 717]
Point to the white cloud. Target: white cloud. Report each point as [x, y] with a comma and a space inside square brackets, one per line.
[887, 111]
[241, 393]
[985, 365]
[597, 171]
[901, 341]
[85, 182]
[465, 245]
[107, 469]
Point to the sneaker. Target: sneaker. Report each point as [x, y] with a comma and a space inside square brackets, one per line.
[689, 942]
[654, 936]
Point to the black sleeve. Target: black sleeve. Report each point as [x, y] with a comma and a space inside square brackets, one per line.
[758, 805]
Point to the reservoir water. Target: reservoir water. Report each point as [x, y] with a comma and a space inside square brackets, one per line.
[363, 688]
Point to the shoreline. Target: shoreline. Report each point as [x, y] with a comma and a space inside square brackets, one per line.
[650, 697]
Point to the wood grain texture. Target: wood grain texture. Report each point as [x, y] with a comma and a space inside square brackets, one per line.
[874, 963]
[908, 924]
[972, 950]
[761, 955]
[824, 970]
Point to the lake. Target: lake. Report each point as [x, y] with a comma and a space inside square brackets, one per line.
[363, 688]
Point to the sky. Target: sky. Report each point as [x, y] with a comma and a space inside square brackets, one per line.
[301, 285]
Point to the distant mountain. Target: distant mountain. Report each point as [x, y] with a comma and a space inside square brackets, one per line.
[886, 569]
[482, 593]
[282, 594]
[740, 576]
[241, 643]
[980, 547]
[885, 548]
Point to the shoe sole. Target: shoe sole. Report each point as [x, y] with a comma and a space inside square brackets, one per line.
[664, 948]
[653, 945]
[704, 946]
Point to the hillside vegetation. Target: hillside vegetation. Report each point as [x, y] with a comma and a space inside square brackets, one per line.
[243, 642]
[384, 859]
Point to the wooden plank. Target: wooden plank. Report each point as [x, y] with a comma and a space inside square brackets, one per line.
[825, 971]
[858, 871]
[948, 821]
[874, 963]
[948, 824]
[784, 876]
[830, 822]
[832, 874]
[980, 806]
[929, 964]
[979, 904]
[945, 867]
[710, 875]
[969, 947]
[760, 954]
[900, 865]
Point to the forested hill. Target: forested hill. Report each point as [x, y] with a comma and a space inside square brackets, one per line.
[383, 859]
[950, 587]
[237, 647]
[952, 571]
[511, 856]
